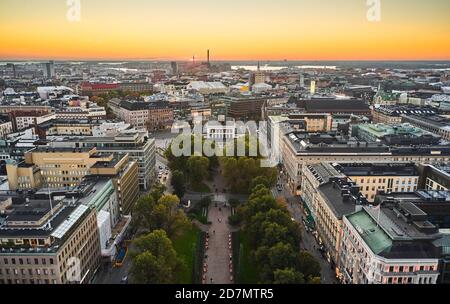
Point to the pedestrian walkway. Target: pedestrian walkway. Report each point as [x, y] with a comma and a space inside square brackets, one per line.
[219, 251]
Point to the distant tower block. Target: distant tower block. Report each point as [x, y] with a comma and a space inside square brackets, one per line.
[49, 69]
[174, 66]
[313, 87]
[302, 80]
[207, 56]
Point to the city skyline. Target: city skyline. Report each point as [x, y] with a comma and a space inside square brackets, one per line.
[244, 30]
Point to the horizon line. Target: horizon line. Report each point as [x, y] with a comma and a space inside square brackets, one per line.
[222, 60]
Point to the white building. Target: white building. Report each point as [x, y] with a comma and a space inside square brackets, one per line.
[261, 88]
[217, 131]
[25, 122]
[53, 91]
[109, 129]
[208, 87]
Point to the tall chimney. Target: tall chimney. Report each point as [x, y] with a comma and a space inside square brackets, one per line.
[208, 56]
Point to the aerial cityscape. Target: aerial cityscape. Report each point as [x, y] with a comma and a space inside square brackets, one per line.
[314, 151]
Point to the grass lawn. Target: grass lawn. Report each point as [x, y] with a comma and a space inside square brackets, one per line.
[185, 246]
[247, 269]
[200, 187]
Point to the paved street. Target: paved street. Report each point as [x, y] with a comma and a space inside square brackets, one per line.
[218, 253]
[165, 179]
[113, 275]
[308, 242]
[163, 139]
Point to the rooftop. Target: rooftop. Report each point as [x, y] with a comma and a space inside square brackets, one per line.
[393, 237]
[333, 105]
[142, 105]
[377, 240]
[378, 169]
[399, 110]
[340, 194]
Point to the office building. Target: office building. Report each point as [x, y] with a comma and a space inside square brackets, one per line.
[136, 144]
[48, 243]
[435, 177]
[49, 69]
[403, 134]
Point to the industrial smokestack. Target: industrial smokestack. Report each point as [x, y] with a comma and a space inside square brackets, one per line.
[207, 55]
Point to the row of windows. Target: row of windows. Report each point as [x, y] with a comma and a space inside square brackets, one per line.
[77, 173]
[38, 271]
[79, 239]
[383, 180]
[409, 280]
[26, 281]
[28, 261]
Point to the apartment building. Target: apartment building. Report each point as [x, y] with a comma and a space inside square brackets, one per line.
[299, 149]
[95, 89]
[315, 122]
[327, 197]
[392, 245]
[12, 108]
[373, 178]
[22, 120]
[436, 206]
[78, 113]
[146, 115]
[392, 115]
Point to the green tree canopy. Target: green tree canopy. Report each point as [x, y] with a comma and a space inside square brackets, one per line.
[150, 214]
[274, 240]
[308, 265]
[155, 261]
[179, 183]
[198, 168]
[259, 180]
[288, 276]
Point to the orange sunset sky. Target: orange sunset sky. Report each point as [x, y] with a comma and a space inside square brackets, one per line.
[231, 29]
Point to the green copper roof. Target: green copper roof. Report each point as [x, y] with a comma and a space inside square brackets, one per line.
[374, 236]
